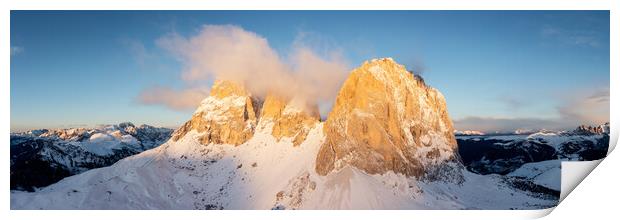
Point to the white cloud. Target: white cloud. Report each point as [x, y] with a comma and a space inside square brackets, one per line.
[231, 53]
[182, 100]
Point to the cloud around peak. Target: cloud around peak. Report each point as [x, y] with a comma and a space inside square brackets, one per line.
[179, 100]
[229, 52]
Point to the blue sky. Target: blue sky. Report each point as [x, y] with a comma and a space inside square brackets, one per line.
[499, 70]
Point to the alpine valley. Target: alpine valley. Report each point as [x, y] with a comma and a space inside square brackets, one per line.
[42, 157]
[388, 143]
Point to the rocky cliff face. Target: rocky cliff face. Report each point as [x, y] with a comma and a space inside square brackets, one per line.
[387, 119]
[227, 116]
[231, 115]
[291, 118]
[384, 119]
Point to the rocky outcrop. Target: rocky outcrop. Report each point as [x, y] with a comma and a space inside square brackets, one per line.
[591, 130]
[387, 119]
[384, 119]
[291, 118]
[227, 116]
[231, 115]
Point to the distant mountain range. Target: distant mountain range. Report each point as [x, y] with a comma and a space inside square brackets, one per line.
[582, 129]
[388, 143]
[502, 154]
[42, 157]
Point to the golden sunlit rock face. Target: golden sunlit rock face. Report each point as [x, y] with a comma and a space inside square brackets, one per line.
[384, 119]
[291, 118]
[227, 116]
[231, 115]
[387, 119]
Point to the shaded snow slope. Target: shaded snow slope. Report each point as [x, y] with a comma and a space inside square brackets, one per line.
[387, 144]
[262, 173]
[506, 153]
[546, 173]
[43, 157]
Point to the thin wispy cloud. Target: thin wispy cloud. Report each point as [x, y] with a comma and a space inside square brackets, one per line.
[492, 124]
[16, 50]
[185, 99]
[511, 102]
[461, 64]
[600, 96]
[138, 51]
[579, 37]
[584, 106]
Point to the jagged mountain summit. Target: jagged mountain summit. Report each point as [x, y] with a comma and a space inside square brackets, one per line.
[227, 116]
[386, 119]
[42, 157]
[231, 115]
[387, 144]
[592, 130]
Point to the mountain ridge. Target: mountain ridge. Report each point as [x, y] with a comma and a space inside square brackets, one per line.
[229, 156]
[42, 157]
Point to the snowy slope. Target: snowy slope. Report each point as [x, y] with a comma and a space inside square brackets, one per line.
[503, 154]
[546, 173]
[43, 157]
[261, 174]
[180, 175]
[387, 144]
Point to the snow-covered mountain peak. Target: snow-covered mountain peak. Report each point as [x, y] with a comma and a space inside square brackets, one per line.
[388, 143]
[592, 130]
[468, 133]
[125, 132]
[225, 88]
[231, 115]
[227, 116]
[385, 119]
[380, 60]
